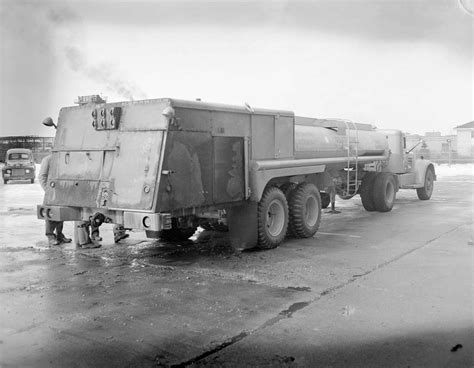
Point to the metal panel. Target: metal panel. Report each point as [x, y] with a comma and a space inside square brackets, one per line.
[76, 193]
[263, 137]
[80, 134]
[194, 120]
[143, 115]
[135, 169]
[186, 171]
[230, 124]
[85, 165]
[284, 131]
[229, 181]
[200, 105]
[77, 132]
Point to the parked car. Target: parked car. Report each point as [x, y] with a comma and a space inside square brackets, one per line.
[19, 165]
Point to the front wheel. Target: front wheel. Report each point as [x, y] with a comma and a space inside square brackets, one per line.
[32, 181]
[424, 193]
[384, 192]
[366, 191]
[5, 181]
[272, 218]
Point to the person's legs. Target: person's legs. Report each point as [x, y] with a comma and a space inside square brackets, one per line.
[59, 233]
[50, 226]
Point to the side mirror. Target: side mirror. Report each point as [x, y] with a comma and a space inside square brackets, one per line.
[49, 122]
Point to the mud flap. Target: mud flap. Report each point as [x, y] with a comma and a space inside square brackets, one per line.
[242, 221]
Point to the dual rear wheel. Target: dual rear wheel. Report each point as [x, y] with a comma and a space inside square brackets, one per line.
[294, 210]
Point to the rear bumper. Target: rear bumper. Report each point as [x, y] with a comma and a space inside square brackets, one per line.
[130, 220]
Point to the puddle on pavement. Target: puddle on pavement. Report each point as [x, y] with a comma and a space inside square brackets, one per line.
[150, 252]
[188, 252]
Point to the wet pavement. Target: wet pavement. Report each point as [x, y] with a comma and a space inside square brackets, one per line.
[370, 289]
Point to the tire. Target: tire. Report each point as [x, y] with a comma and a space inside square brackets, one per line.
[366, 191]
[32, 181]
[426, 191]
[288, 189]
[5, 181]
[325, 200]
[384, 192]
[305, 210]
[272, 216]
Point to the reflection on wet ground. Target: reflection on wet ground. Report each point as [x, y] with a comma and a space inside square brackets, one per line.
[135, 253]
[146, 302]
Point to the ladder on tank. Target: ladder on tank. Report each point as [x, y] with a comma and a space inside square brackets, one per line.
[352, 186]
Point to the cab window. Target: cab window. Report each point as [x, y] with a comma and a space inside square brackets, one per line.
[18, 156]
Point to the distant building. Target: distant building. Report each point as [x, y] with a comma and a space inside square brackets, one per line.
[40, 146]
[465, 139]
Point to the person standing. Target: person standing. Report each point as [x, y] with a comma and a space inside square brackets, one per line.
[53, 229]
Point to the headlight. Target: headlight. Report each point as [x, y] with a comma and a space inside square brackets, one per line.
[27, 171]
[8, 171]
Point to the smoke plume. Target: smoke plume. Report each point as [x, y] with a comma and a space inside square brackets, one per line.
[106, 74]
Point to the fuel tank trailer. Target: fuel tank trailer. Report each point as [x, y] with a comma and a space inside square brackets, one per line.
[167, 166]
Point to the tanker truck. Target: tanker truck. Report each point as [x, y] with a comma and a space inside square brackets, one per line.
[167, 166]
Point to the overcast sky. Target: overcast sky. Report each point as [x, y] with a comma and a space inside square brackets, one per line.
[404, 64]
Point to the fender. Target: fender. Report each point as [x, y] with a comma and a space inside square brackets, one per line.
[259, 178]
[419, 168]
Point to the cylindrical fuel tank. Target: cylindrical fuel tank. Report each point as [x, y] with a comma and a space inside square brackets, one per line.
[325, 142]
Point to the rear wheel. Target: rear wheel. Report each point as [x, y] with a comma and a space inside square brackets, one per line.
[288, 189]
[305, 210]
[384, 192]
[272, 218]
[426, 191]
[367, 190]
